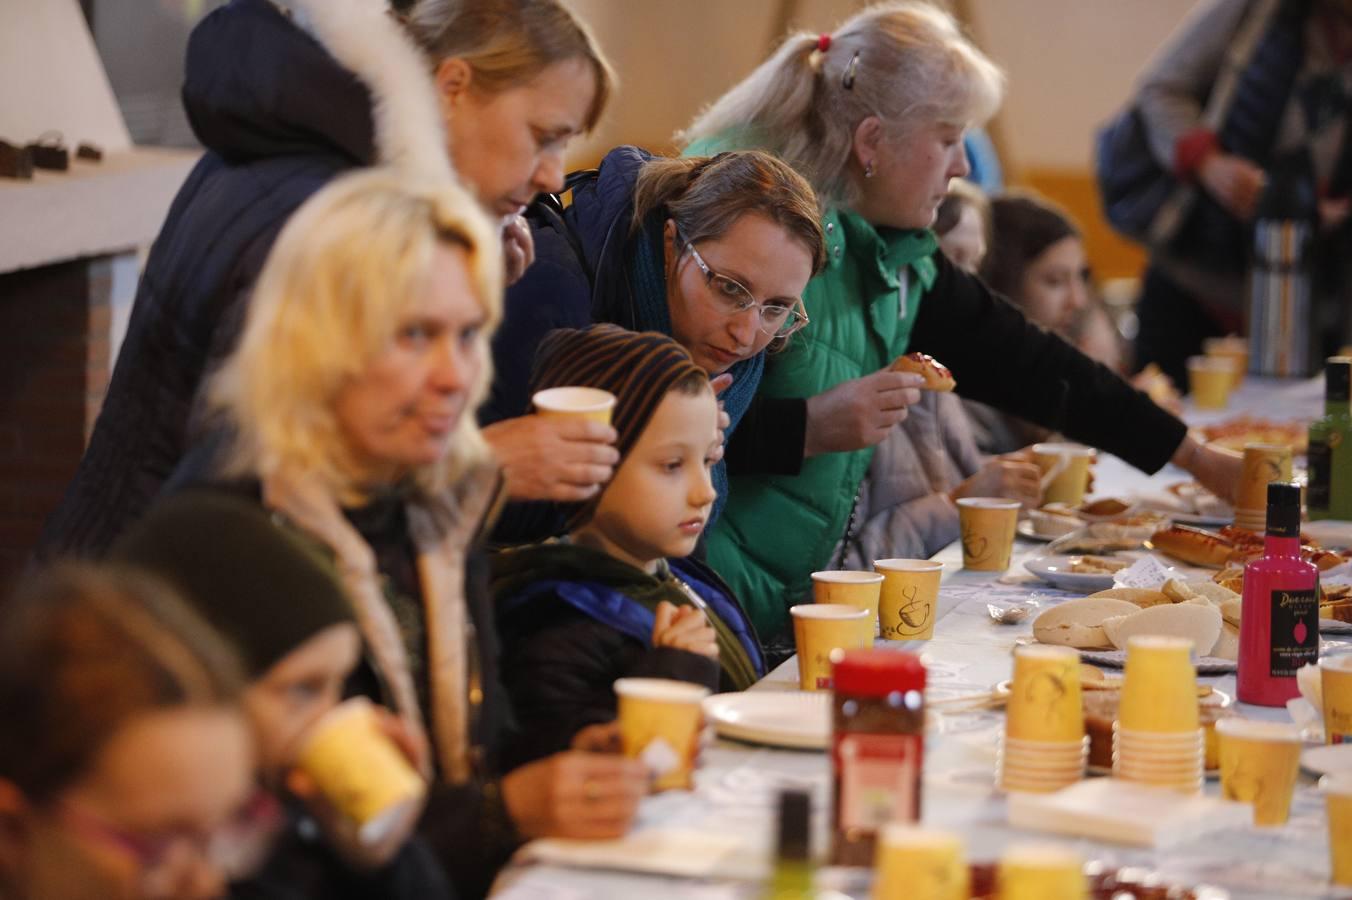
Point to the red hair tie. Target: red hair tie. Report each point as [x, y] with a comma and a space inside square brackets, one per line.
[823, 43]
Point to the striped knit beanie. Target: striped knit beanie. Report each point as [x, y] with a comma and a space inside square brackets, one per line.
[637, 367]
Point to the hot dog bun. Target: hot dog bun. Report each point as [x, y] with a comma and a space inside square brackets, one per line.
[1193, 546]
[936, 374]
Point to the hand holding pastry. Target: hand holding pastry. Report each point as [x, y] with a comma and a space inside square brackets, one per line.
[860, 412]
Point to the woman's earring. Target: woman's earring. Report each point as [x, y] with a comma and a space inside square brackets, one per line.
[868, 169]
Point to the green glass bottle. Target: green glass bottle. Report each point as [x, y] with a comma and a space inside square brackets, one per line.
[1330, 490]
[792, 877]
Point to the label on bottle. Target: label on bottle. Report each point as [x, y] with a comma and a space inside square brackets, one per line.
[879, 779]
[1295, 631]
[1319, 492]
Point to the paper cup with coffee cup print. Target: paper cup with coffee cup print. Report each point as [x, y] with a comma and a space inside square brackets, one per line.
[360, 770]
[819, 629]
[1335, 687]
[1041, 872]
[1159, 687]
[575, 403]
[857, 589]
[987, 525]
[1260, 762]
[1044, 698]
[1210, 380]
[919, 862]
[1065, 471]
[910, 598]
[1263, 464]
[660, 722]
[1234, 349]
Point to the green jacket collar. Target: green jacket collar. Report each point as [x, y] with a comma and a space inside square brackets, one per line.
[886, 251]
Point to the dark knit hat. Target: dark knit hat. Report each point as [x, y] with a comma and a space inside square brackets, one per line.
[637, 367]
[1023, 225]
[261, 585]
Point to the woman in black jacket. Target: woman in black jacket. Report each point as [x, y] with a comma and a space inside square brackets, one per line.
[348, 402]
[284, 103]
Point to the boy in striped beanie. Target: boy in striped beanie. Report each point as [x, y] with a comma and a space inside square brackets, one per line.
[618, 596]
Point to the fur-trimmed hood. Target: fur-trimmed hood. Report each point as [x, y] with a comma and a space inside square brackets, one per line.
[341, 74]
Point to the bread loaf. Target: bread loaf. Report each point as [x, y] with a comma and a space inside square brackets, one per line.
[1078, 623]
[1142, 597]
[1193, 546]
[1199, 622]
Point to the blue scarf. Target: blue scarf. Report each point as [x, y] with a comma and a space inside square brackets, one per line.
[651, 313]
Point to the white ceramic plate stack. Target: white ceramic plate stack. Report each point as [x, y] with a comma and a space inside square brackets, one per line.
[1174, 760]
[1040, 766]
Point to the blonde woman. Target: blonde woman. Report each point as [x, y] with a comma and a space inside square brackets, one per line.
[873, 114]
[286, 96]
[350, 398]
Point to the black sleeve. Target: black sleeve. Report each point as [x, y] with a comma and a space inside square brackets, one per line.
[560, 665]
[1001, 358]
[769, 439]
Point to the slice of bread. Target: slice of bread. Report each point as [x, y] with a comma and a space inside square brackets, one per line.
[1227, 645]
[1078, 623]
[1199, 622]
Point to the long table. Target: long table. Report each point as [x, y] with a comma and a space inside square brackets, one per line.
[720, 833]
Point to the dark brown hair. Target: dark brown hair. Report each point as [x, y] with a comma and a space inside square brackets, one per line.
[508, 42]
[1023, 225]
[83, 650]
[706, 195]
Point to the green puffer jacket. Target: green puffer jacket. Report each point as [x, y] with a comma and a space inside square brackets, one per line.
[776, 530]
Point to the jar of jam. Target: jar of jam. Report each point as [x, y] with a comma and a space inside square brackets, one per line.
[877, 747]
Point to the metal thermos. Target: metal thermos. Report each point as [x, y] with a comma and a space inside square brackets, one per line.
[1281, 318]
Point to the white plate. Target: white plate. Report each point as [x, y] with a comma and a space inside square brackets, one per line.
[1333, 626]
[1327, 760]
[1025, 530]
[1055, 570]
[800, 720]
[1200, 520]
[1206, 665]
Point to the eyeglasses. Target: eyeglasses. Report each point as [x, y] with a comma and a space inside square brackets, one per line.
[236, 848]
[731, 298]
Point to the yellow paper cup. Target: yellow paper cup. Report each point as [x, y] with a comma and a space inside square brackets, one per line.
[819, 629]
[1040, 872]
[575, 403]
[916, 863]
[1159, 687]
[1337, 791]
[858, 589]
[1233, 349]
[1335, 679]
[1065, 472]
[360, 770]
[660, 723]
[1260, 762]
[910, 598]
[1263, 463]
[1209, 381]
[1044, 698]
[987, 525]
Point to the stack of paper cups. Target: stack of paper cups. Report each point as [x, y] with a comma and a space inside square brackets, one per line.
[1044, 746]
[1263, 463]
[1158, 738]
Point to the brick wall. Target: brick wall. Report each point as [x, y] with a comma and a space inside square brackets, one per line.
[54, 325]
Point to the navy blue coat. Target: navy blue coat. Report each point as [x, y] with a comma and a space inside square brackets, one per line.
[279, 118]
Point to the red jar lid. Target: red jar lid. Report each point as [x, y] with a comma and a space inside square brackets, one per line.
[876, 673]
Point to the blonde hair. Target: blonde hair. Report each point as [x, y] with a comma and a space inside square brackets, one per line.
[706, 195]
[332, 296]
[905, 62]
[509, 42]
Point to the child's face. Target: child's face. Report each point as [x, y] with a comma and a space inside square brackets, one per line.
[292, 695]
[659, 500]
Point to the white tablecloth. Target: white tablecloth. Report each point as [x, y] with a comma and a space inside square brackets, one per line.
[735, 790]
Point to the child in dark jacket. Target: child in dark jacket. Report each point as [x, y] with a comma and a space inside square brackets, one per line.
[617, 597]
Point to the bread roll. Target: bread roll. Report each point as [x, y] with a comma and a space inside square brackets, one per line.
[1078, 623]
[1199, 622]
[1227, 645]
[936, 374]
[1182, 591]
[1142, 597]
[1193, 545]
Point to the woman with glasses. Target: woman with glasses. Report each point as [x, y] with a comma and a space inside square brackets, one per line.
[125, 765]
[874, 115]
[299, 642]
[714, 252]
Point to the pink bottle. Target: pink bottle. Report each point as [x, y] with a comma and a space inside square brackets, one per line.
[1279, 624]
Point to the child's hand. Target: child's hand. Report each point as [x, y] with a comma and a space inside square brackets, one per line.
[684, 628]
